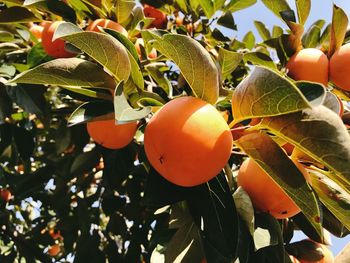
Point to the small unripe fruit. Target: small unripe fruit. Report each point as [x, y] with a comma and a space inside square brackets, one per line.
[309, 64]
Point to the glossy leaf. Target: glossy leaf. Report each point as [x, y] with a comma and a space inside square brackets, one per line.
[67, 72]
[271, 158]
[262, 29]
[195, 63]
[249, 40]
[123, 111]
[17, 14]
[229, 60]
[277, 6]
[236, 5]
[339, 26]
[266, 93]
[319, 133]
[103, 48]
[312, 37]
[303, 8]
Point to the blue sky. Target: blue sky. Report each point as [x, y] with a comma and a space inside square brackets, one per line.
[321, 9]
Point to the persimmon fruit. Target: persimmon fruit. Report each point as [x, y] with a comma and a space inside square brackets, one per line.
[152, 54]
[339, 65]
[111, 135]
[54, 250]
[309, 64]
[188, 141]
[36, 31]
[55, 48]
[327, 253]
[106, 23]
[160, 19]
[5, 195]
[265, 193]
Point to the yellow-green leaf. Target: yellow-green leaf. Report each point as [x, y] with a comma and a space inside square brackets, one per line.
[303, 7]
[338, 30]
[229, 60]
[266, 93]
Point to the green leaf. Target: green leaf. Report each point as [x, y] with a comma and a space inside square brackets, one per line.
[249, 40]
[207, 7]
[123, 9]
[194, 61]
[272, 159]
[262, 29]
[338, 30]
[94, 110]
[67, 72]
[266, 93]
[85, 161]
[325, 36]
[303, 8]
[6, 36]
[314, 92]
[37, 55]
[236, 5]
[332, 196]
[312, 37]
[227, 20]
[123, 112]
[267, 233]
[277, 6]
[244, 208]
[277, 31]
[91, 93]
[17, 14]
[229, 61]
[259, 58]
[103, 48]
[159, 78]
[136, 73]
[319, 133]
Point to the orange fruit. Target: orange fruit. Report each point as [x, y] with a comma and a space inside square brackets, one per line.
[111, 135]
[152, 54]
[54, 48]
[265, 194]
[106, 23]
[160, 19]
[309, 64]
[54, 250]
[188, 141]
[36, 30]
[5, 195]
[328, 255]
[339, 65]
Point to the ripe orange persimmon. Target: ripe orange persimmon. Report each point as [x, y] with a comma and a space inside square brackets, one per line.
[309, 64]
[106, 23]
[5, 195]
[327, 253]
[36, 30]
[160, 19]
[187, 141]
[111, 135]
[54, 250]
[266, 195]
[54, 48]
[152, 54]
[339, 67]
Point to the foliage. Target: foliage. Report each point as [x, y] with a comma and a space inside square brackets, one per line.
[102, 205]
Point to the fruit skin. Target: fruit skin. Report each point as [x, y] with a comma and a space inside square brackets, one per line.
[339, 65]
[106, 23]
[5, 195]
[309, 64]
[54, 250]
[37, 31]
[54, 48]
[152, 54]
[110, 135]
[266, 195]
[328, 255]
[187, 141]
[160, 19]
